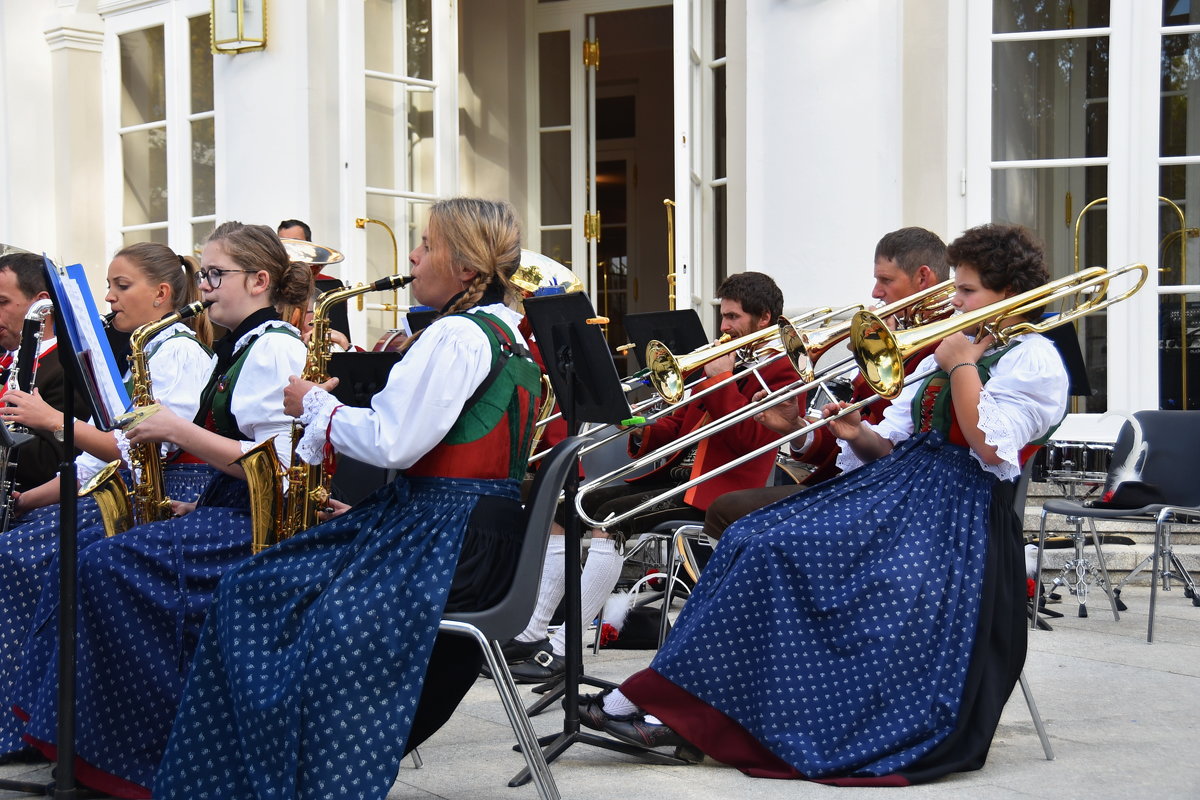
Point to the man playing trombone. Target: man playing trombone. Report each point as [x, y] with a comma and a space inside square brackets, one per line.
[750, 302]
[907, 261]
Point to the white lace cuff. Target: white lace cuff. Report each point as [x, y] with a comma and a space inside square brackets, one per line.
[319, 406]
[847, 459]
[997, 433]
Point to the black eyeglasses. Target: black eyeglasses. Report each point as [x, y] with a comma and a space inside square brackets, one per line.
[213, 275]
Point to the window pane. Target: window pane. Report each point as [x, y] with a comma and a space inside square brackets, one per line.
[1180, 12]
[1050, 99]
[1179, 240]
[1048, 202]
[1022, 16]
[200, 232]
[422, 158]
[1179, 351]
[380, 23]
[158, 236]
[556, 178]
[407, 220]
[554, 78]
[718, 117]
[144, 154]
[381, 135]
[204, 171]
[420, 45]
[719, 29]
[143, 78]
[557, 245]
[1180, 77]
[202, 80]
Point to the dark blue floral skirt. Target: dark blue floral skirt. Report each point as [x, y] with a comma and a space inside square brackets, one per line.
[28, 561]
[312, 661]
[838, 627]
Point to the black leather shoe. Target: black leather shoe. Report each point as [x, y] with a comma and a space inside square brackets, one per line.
[592, 713]
[541, 667]
[643, 734]
[515, 652]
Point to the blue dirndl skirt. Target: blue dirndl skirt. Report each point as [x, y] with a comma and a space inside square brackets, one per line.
[142, 598]
[837, 627]
[29, 560]
[311, 664]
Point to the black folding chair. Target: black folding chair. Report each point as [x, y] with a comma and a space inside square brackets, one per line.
[1159, 459]
[507, 618]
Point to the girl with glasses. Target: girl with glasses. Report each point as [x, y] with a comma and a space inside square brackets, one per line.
[143, 593]
[322, 652]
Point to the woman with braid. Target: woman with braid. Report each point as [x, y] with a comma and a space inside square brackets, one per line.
[143, 594]
[320, 664]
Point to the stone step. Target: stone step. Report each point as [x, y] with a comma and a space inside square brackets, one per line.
[1138, 531]
[1120, 559]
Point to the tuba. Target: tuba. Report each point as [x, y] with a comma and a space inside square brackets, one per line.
[21, 376]
[121, 509]
[284, 502]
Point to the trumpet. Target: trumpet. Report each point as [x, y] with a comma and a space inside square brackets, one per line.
[884, 356]
[880, 352]
[21, 376]
[805, 347]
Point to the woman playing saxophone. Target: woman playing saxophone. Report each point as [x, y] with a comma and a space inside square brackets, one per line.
[144, 281]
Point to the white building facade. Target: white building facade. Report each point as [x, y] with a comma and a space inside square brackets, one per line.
[789, 137]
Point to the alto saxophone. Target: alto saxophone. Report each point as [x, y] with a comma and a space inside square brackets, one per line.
[284, 502]
[21, 376]
[120, 508]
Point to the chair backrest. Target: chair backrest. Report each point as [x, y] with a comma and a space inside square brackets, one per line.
[1171, 440]
[609, 456]
[1023, 488]
[510, 616]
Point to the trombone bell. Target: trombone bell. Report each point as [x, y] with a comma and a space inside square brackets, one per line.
[304, 252]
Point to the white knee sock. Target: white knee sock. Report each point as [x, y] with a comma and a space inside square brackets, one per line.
[600, 575]
[550, 592]
[618, 705]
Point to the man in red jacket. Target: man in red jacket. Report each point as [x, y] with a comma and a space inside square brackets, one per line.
[750, 302]
[907, 261]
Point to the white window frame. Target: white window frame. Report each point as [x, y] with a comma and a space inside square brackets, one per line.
[125, 16]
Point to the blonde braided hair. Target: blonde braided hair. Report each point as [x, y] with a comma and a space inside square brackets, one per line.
[482, 235]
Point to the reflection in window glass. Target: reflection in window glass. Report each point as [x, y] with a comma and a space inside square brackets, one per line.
[1179, 239]
[144, 154]
[554, 78]
[143, 78]
[204, 168]
[556, 178]
[1179, 351]
[421, 155]
[1050, 99]
[201, 64]
[557, 245]
[1024, 16]
[1180, 12]
[1180, 78]
[420, 40]
[379, 24]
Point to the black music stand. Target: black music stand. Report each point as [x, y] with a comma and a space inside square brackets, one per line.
[681, 331]
[80, 364]
[360, 376]
[585, 381]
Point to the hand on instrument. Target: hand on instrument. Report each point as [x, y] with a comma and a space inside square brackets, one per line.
[161, 426]
[958, 349]
[179, 508]
[782, 417]
[847, 427]
[30, 410]
[293, 393]
[333, 508]
[720, 366]
[336, 337]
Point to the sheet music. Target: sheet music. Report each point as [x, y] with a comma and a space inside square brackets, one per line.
[88, 343]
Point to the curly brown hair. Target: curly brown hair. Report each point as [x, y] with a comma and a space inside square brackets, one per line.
[1008, 258]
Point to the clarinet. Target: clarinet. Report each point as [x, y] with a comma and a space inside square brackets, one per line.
[21, 377]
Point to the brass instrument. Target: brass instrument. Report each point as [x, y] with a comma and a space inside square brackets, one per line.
[394, 306]
[545, 410]
[880, 352]
[120, 508]
[21, 376]
[990, 316]
[305, 252]
[284, 502]
[538, 271]
[805, 347]
[672, 275]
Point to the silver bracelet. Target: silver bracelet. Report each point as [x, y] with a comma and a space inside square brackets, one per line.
[950, 374]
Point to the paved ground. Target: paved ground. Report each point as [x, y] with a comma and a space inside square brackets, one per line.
[1123, 718]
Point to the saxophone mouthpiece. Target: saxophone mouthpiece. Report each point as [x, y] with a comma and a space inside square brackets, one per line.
[192, 309]
[392, 282]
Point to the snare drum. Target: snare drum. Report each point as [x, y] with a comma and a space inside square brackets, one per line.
[1078, 462]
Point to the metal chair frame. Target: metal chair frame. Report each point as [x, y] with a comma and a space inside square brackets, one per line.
[492, 626]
